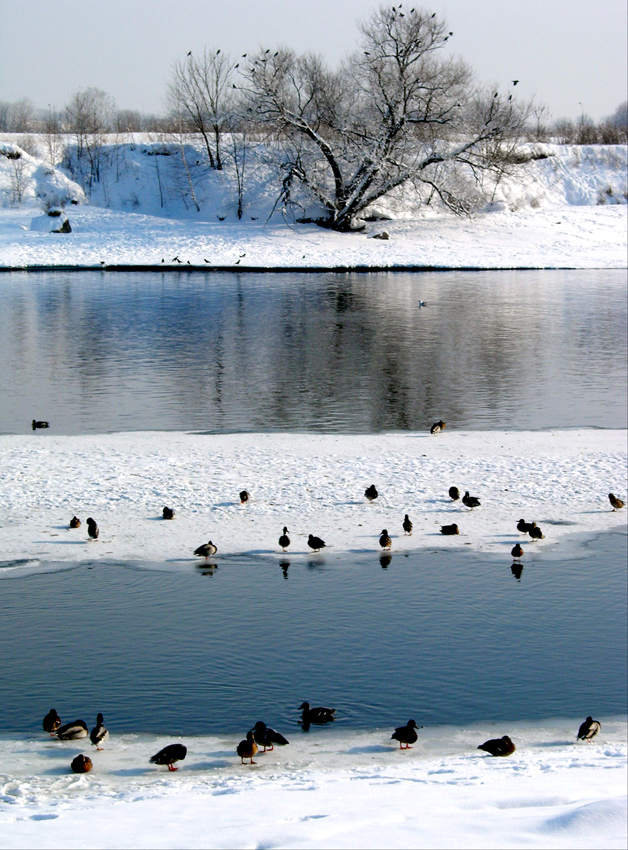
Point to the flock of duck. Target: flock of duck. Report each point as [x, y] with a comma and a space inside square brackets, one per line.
[264, 736]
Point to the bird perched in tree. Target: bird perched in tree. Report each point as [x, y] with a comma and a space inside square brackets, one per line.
[616, 503]
[454, 493]
[39, 423]
[316, 714]
[371, 493]
[588, 730]
[244, 496]
[75, 522]
[406, 735]
[266, 737]
[315, 543]
[523, 526]
[407, 525]
[498, 746]
[167, 513]
[470, 501]
[517, 552]
[449, 529]
[284, 540]
[246, 749]
[169, 755]
[535, 532]
[99, 734]
[81, 764]
[437, 427]
[206, 550]
[384, 540]
[51, 722]
[92, 528]
[72, 731]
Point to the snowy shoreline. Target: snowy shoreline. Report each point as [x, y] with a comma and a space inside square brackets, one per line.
[312, 483]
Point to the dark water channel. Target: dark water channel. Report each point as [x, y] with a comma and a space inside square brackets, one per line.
[95, 352]
[444, 637]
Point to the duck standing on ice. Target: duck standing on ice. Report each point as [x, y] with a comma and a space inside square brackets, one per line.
[99, 733]
[169, 755]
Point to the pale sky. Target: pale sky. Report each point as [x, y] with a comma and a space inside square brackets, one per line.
[569, 54]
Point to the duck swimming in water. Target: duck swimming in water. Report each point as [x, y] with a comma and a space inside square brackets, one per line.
[317, 714]
[39, 423]
[169, 755]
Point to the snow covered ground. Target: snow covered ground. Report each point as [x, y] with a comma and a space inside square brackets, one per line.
[311, 483]
[326, 789]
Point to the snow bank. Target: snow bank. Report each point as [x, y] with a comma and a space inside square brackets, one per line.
[325, 790]
[311, 483]
[567, 210]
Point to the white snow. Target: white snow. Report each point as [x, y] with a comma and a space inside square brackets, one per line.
[327, 789]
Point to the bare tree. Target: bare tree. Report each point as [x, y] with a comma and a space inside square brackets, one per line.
[88, 115]
[394, 112]
[200, 93]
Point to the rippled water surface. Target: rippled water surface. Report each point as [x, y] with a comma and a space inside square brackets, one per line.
[446, 638]
[95, 352]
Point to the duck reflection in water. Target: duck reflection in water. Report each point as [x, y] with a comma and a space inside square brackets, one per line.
[206, 569]
[385, 560]
[284, 564]
[516, 568]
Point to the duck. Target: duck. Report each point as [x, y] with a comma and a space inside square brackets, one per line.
[39, 423]
[316, 714]
[167, 513]
[517, 552]
[371, 493]
[206, 550]
[407, 525]
[72, 731]
[454, 493]
[246, 749]
[51, 722]
[244, 496]
[81, 764]
[75, 522]
[99, 734]
[498, 746]
[437, 427]
[470, 501]
[535, 532]
[315, 543]
[523, 526]
[266, 737]
[406, 735]
[284, 540]
[384, 540]
[92, 528]
[449, 529]
[616, 503]
[588, 730]
[169, 755]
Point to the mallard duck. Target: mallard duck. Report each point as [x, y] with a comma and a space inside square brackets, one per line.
[266, 737]
[169, 755]
[616, 503]
[81, 764]
[523, 526]
[244, 496]
[437, 427]
[51, 722]
[407, 525]
[167, 513]
[470, 501]
[318, 714]
[99, 734]
[535, 532]
[246, 749]
[454, 493]
[406, 735]
[449, 529]
[92, 528]
[72, 731]
[498, 746]
[75, 522]
[284, 540]
[206, 550]
[39, 423]
[384, 540]
[315, 543]
[588, 730]
[371, 493]
[517, 552]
